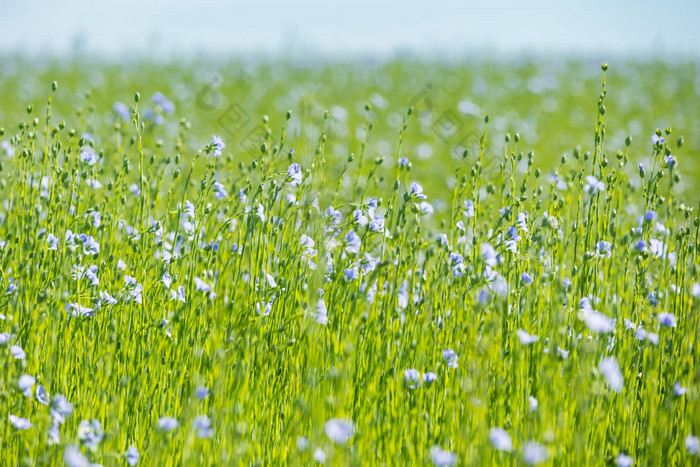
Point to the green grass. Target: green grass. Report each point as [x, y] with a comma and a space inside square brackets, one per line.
[293, 323]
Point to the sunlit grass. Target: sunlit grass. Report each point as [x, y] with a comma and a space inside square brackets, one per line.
[351, 286]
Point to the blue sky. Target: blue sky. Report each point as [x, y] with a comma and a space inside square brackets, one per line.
[358, 27]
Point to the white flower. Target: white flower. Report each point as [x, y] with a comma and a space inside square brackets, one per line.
[132, 455]
[526, 338]
[339, 430]
[533, 403]
[593, 185]
[611, 371]
[320, 456]
[168, 424]
[26, 383]
[534, 453]
[20, 423]
[74, 458]
[90, 433]
[442, 458]
[500, 439]
[595, 321]
[692, 444]
[17, 352]
[623, 460]
[202, 427]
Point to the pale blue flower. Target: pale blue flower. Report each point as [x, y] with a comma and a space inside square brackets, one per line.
[74, 458]
[294, 174]
[76, 310]
[679, 390]
[219, 190]
[26, 385]
[623, 460]
[320, 456]
[217, 145]
[89, 155]
[671, 162]
[122, 110]
[429, 378]
[353, 243]
[442, 458]
[417, 191]
[334, 215]
[201, 393]
[160, 100]
[52, 242]
[19, 423]
[339, 430]
[593, 185]
[534, 453]
[500, 439]
[526, 279]
[91, 434]
[667, 319]
[202, 427]
[42, 395]
[604, 249]
[168, 424]
[359, 218]
[377, 224]
[468, 208]
[451, 357]
[611, 371]
[641, 246]
[525, 338]
[132, 455]
[412, 378]
[321, 313]
[352, 273]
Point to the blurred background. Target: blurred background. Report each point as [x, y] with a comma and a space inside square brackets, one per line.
[534, 66]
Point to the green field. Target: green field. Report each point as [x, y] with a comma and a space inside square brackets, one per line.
[405, 262]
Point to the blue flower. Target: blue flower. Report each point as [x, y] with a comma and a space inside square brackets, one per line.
[641, 246]
[417, 191]
[412, 378]
[353, 242]
[339, 430]
[526, 279]
[217, 145]
[168, 424]
[593, 185]
[294, 174]
[132, 455]
[122, 110]
[202, 427]
[656, 139]
[219, 190]
[650, 216]
[468, 208]
[89, 155]
[160, 100]
[671, 162]
[442, 458]
[667, 319]
[352, 273]
[603, 249]
[451, 357]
